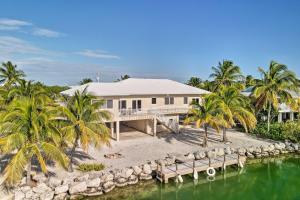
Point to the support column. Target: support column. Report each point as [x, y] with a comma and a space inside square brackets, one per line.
[292, 116]
[118, 130]
[112, 129]
[280, 117]
[154, 126]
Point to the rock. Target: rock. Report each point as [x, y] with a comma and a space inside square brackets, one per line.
[190, 156]
[227, 150]
[199, 155]
[136, 170]
[78, 188]
[54, 182]
[257, 150]
[39, 178]
[29, 194]
[276, 152]
[211, 154]
[94, 183]
[108, 177]
[92, 192]
[23, 181]
[47, 195]
[144, 176]
[68, 181]
[271, 147]
[25, 189]
[82, 178]
[41, 188]
[153, 165]
[147, 169]
[241, 151]
[61, 189]
[121, 182]
[250, 150]
[265, 154]
[219, 151]
[290, 149]
[19, 195]
[133, 180]
[61, 196]
[126, 173]
[108, 186]
[295, 146]
[170, 160]
[249, 155]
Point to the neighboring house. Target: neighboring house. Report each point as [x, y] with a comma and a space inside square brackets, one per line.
[285, 113]
[143, 104]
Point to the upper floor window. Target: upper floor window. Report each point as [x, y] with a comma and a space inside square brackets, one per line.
[169, 100]
[153, 100]
[195, 100]
[109, 103]
[185, 100]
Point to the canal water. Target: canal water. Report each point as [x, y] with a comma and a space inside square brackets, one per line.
[270, 179]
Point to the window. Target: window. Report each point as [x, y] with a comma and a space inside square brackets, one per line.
[169, 100]
[185, 100]
[195, 100]
[109, 103]
[122, 104]
[153, 100]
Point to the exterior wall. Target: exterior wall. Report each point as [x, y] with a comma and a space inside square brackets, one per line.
[145, 126]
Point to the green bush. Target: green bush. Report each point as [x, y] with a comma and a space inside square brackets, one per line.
[85, 167]
[279, 131]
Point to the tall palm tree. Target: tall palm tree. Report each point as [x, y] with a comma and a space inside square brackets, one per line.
[239, 109]
[124, 77]
[9, 74]
[85, 81]
[226, 74]
[274, 87]
[26, 129]
[208, 113]
[250, 81]
[84, 122]
[194, 81]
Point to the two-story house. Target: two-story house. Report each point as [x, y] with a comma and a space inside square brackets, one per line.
[143, 104]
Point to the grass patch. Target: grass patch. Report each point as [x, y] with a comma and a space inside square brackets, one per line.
[85, 167]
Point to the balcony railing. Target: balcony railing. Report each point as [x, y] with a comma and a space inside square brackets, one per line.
[140, 112]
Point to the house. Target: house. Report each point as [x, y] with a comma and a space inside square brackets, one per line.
[285, 113]
[143, 104]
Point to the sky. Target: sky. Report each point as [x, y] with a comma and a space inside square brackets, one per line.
[61, 42]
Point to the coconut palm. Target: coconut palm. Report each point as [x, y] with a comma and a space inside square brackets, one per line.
[85, 81]
[239, 110]
[9, 74]
[26, 129]
[226, 74]
[208, 113]
[194, 81]
[274, 87]
[124, 77]
[84, 122]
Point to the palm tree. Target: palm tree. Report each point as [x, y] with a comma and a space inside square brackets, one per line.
[275, 86]
[239, 110]
[208, 113]
[26, 129]
[226, 74]
[85, 81]
[84, 122]
[250, 81]
[9, 74]
[194, 81]
[126, 76]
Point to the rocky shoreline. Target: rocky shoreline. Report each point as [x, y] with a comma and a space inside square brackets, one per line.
[98, 183]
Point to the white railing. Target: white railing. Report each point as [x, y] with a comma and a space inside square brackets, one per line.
[136, 112]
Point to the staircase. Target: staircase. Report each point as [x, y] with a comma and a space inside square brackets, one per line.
[172, 125]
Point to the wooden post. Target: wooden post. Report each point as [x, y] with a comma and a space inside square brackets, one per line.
[209, 162]
[176, 167]
[238, 160]
[193, 164]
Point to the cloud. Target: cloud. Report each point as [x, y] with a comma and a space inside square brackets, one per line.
[97, 54]
[46, 32]
[12, 24]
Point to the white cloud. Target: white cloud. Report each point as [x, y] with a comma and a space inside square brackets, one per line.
[12, 24]
[97, 54]
[46, 32]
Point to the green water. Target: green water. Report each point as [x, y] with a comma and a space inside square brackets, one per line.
[275, 178]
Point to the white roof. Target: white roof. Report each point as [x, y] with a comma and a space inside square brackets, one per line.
[137, 86]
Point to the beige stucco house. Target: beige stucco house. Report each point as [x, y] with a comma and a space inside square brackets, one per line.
[143, 104]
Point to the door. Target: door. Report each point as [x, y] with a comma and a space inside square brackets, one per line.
[122, 106]
[137, 105]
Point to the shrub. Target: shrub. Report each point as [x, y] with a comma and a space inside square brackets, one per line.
[85, 167]
[279, 131]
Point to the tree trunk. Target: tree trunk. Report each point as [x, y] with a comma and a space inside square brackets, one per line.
[269, 116]
[225, 139]
[28, 175]
[70, 168]
[205, 136]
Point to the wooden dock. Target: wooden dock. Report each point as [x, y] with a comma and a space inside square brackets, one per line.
[187, 167]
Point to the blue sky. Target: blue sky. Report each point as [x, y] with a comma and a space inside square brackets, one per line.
[61, 42]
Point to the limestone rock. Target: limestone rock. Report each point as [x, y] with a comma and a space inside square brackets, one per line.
[61, 189]
[121, 182]
[108, 177]
[250, 149]
[147, 169]
[241, 151]
[78, 188]
[25, 189]
[41, 188]
[126, 173]
[219, 151]
[144, 176]
[61, 196]
[108, 186]
[211, 154]
[190, 156]
[68, 180]
[47, 195]
[19, 195]
[29, 194]
[54, 182]
[227, 150]
[199, 155]
[82, 178]
[94, 183]
[133, 180]
[39, 178]
[137, 170]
